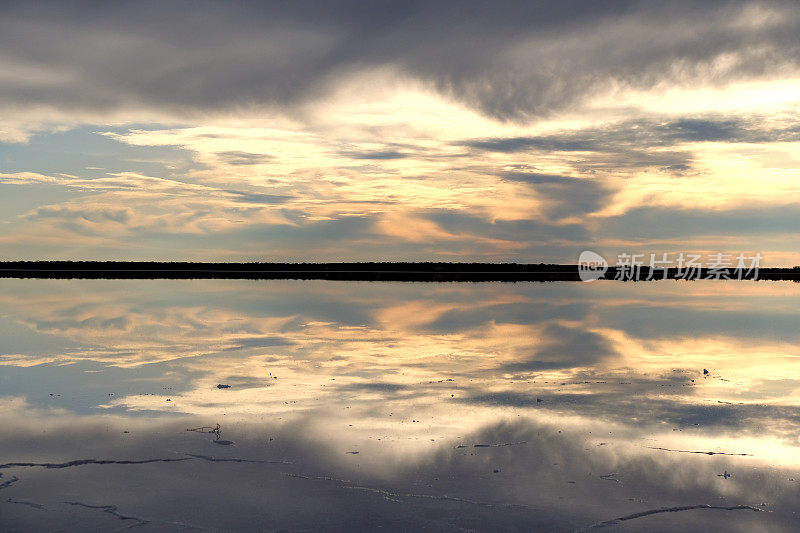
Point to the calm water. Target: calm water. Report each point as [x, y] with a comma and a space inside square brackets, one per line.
[281, 405]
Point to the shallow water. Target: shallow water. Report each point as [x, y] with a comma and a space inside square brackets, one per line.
[318, 405]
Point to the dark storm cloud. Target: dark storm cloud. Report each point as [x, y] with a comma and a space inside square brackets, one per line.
[509, 59]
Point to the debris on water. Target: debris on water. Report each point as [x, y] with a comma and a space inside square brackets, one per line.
[28, 504]
[112, 510]
[221, 386]
[354, 453]
[223, 442]
[496, 445]
[216, 430]
[699, 452]
[725, 475]
[169, 400]
[6, 484]
[642, 514]
[496, 471]
[705, 372]
[204, 428]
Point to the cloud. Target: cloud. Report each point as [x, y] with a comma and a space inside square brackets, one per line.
[259, 198]
[511, 60]
[428, 130]
[99, 215]
[636, 144]
[258, 342]
[387, 154]
[234, 157]
[650, 222]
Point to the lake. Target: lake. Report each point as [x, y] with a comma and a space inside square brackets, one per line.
[323, 405]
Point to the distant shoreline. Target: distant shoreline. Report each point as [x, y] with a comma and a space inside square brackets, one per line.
[384, 271]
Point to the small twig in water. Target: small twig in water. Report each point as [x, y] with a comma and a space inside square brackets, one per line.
[701, 453]
[611, 477]
[110, 509]
[642, 514]
[8, 483]
[208, 429]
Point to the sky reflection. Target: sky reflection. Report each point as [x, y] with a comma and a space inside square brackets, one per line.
[529, 398]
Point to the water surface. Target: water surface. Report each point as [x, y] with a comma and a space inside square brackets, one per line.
[319, 405]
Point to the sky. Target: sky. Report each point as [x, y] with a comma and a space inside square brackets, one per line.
[406, 131]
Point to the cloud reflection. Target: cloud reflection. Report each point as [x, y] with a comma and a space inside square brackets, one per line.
[550, 381]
